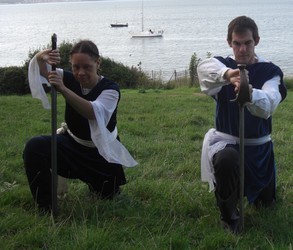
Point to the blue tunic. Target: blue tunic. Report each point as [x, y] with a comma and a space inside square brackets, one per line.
[259, 166]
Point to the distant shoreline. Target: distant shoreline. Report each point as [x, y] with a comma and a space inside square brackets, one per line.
[30, 1]
[40, 1]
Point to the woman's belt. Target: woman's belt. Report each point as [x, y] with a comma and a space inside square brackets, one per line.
[64, 128]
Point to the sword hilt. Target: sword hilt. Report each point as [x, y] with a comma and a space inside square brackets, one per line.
[244, 94]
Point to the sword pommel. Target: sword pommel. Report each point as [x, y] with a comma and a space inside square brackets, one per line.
[54, 41]
[54, 46]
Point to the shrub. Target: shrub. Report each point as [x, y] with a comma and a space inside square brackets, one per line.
[126, 77]
[289, 83]
[13, 81]
[64, 49]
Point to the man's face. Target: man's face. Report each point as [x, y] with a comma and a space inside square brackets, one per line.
[243, 46]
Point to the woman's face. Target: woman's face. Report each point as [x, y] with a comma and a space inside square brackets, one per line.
[84, 69]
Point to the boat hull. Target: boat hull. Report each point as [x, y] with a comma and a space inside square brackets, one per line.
[119, 25]
[148, 34]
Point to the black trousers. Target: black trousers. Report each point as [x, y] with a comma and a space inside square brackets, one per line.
[226, 170]
[74, 161]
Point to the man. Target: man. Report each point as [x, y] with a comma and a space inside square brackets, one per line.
[219, 77]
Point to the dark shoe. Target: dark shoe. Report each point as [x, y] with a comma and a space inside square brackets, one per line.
[232, 224]
[45, 210]
[104, 195]
[258, 203]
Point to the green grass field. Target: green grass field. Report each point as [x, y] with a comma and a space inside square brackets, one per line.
[164, 204]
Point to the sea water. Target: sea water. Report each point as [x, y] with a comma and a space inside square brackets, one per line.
[190, 26]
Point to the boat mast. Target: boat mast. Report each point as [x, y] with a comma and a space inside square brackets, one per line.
[142, 28]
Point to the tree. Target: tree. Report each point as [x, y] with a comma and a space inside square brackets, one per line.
[194, 61]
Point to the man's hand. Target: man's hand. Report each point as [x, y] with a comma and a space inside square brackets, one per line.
[233, 76]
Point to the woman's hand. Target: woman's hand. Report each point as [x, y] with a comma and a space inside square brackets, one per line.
[82, 106]
[56, 81]
[45, 57]
[49, 56]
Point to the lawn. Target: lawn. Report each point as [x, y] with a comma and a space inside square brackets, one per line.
[164, 205]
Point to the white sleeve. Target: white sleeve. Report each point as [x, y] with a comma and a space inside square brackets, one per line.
[105, 105]
[211, 76]
[105, 141]
[36, 82]
[265, 100]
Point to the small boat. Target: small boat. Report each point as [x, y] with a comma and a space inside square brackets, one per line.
[118, 25]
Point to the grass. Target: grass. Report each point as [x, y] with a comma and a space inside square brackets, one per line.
[164, 204]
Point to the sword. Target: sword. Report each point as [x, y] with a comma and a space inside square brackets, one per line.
[243, 97]
[54, 137]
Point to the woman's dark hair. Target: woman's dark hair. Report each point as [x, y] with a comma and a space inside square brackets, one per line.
[86, 47]
[241, 24]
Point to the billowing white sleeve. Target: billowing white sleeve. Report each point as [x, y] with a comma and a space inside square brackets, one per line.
[266, 100]
[105, 141]
[36, 82]
[211, 76]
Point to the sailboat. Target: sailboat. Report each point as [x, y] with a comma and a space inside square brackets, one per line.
[118, 24]
[147, 33]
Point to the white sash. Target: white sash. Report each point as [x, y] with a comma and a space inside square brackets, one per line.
[213, 142]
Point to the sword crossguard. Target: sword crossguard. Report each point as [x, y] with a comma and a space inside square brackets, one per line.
[244, 94]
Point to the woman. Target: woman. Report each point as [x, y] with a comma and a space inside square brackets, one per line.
[88, 147]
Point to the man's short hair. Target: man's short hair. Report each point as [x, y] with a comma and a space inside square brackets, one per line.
[241, 24]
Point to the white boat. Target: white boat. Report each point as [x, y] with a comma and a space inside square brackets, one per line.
[147, 33]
